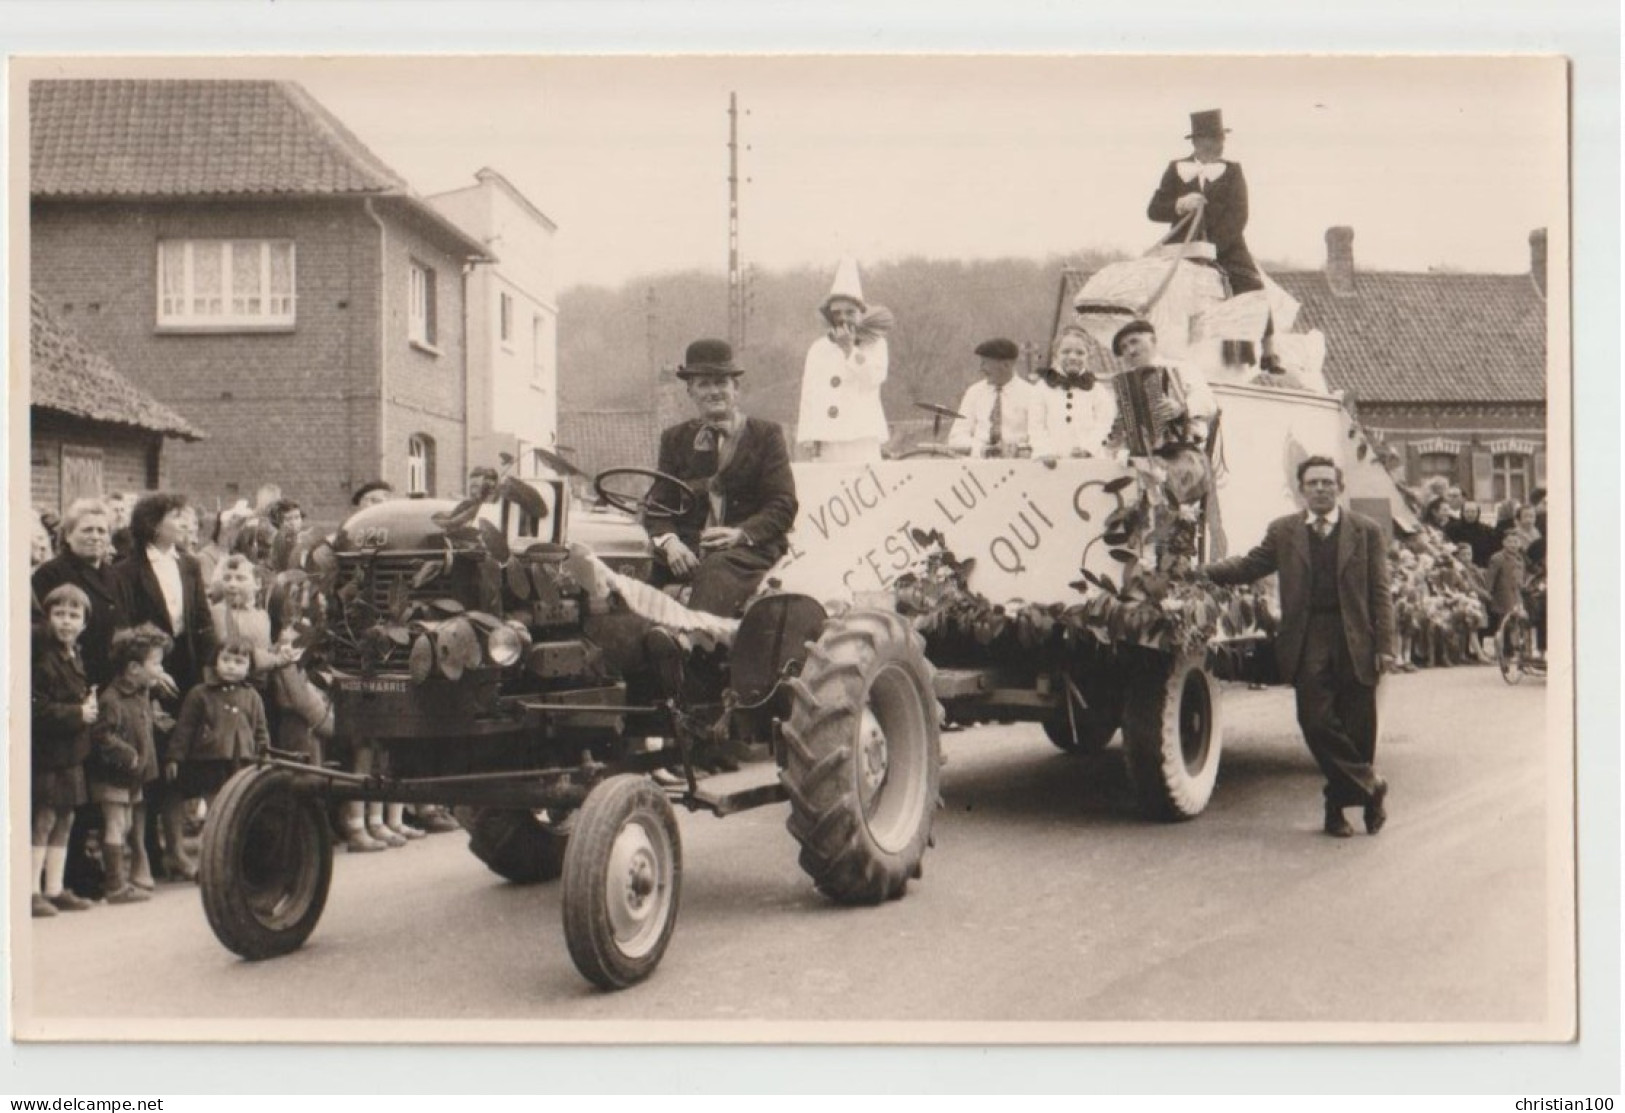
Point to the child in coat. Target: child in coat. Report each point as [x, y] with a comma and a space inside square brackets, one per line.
[221, 726]
[125, 758]
[63, 710]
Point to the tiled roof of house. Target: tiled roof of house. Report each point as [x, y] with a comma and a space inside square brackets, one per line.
[71, 378]
[1436, 337]
[185, 138]
[599, 439]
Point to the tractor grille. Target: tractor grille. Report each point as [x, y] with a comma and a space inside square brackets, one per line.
[390, 569]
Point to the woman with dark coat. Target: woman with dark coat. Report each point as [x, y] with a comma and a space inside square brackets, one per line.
[164, 586]
[86, 563]
[1472, 530]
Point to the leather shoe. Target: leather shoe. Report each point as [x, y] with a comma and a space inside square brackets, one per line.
[1375, 814]
[1337, 824]
[68, 901]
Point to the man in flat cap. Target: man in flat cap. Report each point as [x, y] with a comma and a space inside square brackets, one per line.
[739, 467]
[1003, 415]
[1212, 192]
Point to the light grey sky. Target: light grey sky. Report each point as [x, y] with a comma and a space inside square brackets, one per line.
[1433, 161]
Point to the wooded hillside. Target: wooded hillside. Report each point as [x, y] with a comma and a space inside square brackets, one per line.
[613, 343]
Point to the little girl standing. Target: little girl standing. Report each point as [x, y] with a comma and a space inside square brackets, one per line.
[63, 710]
[221, 726]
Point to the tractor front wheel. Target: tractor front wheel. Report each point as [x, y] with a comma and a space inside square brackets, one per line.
[623, 876]
[266, 865]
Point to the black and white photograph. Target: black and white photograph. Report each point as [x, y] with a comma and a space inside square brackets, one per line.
[1070, 549]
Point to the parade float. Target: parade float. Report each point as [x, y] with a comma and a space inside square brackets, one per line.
[489, 659]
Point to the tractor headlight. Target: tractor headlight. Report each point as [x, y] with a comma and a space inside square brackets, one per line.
[504, 645]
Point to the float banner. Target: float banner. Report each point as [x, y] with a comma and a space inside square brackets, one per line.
[1028, 527]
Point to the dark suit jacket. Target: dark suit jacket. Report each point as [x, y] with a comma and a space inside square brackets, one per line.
[106, 610]
[1362, 588]
[758, 489]
[1224, 220]
[142, 600]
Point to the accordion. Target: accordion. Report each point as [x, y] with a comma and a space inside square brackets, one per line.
[1138, 392]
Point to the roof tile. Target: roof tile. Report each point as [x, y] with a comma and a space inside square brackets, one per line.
[70, 377]
[1429, 338]
[180, 137]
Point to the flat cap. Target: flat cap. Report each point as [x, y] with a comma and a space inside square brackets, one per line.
[1129, 330]
[998, 348]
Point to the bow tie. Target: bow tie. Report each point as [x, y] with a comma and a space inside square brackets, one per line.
[1204, 172]
[1082, 381]
[710, 438]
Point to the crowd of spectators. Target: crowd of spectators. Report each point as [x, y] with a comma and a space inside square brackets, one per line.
[160, 666]
[1458, 576]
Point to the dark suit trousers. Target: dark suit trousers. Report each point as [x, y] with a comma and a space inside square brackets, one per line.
[724, 579]
[1338, 714]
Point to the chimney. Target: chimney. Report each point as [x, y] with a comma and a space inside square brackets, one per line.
[1537, 259]
[1340, 260]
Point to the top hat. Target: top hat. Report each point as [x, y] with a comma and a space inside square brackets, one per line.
[1208, 125]
[709, 357]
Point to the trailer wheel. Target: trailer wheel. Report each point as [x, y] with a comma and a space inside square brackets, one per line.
[1173, 737]
[521, 846]
[623, 876]
[863, 758]
[1089, 728]
[267, 862]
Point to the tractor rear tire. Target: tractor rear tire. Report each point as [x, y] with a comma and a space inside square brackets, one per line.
[623, 877]
[863, 758]
[266, 864]
[515, 844]
[1173, 736]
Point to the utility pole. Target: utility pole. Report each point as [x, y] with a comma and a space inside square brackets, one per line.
[736, 284]
[651, 317]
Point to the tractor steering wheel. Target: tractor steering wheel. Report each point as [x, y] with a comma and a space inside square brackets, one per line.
[645, 503]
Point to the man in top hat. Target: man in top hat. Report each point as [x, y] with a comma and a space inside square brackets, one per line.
[841, 416]
[739, 467]
[1003, 415]
[1213, 193]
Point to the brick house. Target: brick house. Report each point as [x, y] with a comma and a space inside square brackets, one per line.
[513, 322]
[1450, 368]
[92, 432]
[249, 262]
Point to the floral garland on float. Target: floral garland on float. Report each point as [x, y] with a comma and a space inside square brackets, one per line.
[1161, 605]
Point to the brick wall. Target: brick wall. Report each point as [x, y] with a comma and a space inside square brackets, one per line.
[122, 455]
[299, 407]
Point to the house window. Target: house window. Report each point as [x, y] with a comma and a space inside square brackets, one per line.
[1436, 463]
[420, 307]
[1509, 476]
[420, 464]
[505, 319]
[225, 283]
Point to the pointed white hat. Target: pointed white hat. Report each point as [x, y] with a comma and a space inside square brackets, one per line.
[846, 284]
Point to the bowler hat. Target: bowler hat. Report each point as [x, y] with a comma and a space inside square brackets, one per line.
[1127, 331]
[709, 357]
[998, 348]
[1208, 125]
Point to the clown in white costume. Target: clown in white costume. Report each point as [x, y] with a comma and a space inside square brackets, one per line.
[841, 416]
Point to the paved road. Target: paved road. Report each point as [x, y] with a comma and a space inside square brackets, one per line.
[1045, 899]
